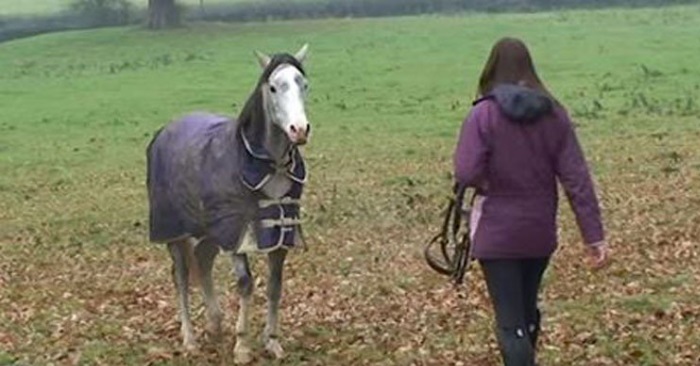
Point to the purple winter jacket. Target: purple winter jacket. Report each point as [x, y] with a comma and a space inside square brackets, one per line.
[512, 148]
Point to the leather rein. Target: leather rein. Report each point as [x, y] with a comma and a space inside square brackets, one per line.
[454, 246]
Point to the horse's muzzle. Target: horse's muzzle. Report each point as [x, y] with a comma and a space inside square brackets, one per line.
[299, 135]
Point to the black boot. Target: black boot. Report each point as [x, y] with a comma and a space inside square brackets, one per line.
[533, 329]
[516, 347]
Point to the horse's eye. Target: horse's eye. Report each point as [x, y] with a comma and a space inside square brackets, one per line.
[273, 90]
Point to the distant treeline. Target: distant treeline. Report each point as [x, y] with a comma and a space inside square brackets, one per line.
[286, 9]
[99, 13]
[19, 27]
[82, 14]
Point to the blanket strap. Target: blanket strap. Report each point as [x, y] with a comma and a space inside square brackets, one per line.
[281, 201]
[268, 223]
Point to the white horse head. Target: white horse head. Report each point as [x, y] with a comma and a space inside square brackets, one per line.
[284, 95]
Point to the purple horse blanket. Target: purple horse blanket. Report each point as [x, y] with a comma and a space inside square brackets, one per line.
[205, 178]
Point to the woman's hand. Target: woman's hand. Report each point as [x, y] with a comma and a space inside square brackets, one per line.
[598, 254]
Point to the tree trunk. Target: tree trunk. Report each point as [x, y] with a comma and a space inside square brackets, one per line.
[162, 14]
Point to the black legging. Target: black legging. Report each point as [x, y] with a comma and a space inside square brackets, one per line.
[513, 285]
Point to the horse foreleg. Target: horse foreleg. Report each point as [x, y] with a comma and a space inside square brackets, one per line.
[274, 293]
[180, 279]
[242, 353]
[206, 253]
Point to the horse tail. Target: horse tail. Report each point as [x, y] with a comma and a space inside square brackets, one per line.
[191, 260]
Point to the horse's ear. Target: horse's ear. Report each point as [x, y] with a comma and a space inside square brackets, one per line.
[263, 59]
[302, 53]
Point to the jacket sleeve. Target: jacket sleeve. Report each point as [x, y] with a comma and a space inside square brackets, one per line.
[472, 152]
[572, 171]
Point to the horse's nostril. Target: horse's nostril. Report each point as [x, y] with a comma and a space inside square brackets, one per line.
[308, 129]
[293, 128]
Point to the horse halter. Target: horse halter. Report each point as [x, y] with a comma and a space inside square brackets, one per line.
[453, 240]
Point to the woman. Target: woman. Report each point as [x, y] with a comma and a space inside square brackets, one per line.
[516, 142]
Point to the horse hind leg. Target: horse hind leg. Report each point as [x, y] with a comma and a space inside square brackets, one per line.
[242, 353]
[274, 293]
[180, 274]
[205, 253]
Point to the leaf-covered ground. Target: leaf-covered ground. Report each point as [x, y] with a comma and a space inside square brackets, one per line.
[80, 284]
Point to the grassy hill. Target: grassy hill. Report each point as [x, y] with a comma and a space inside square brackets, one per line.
[79, 281]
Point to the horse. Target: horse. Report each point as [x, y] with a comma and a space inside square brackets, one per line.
[233, 185]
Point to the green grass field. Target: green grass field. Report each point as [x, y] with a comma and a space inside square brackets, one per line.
[80, 284]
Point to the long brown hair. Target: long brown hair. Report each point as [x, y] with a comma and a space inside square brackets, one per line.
[510, 63]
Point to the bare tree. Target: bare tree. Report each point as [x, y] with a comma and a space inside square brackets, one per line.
[163, 14]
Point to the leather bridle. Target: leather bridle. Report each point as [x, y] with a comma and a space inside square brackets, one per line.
[453, 241]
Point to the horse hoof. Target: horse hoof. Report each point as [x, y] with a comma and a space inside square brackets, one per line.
[273, 347]
[190, 346]
[242, 355]
[214, 330]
